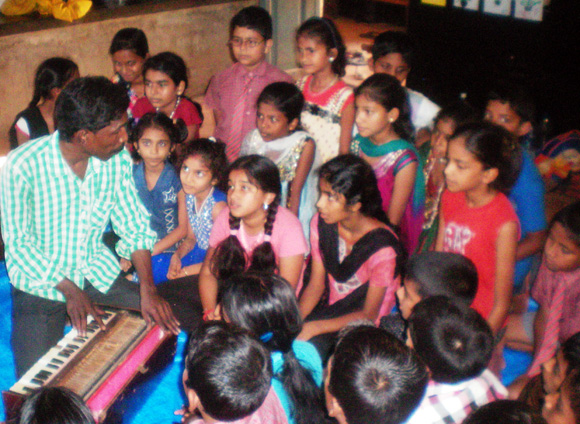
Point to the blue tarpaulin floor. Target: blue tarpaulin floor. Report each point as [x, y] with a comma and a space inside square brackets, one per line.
[157, 399]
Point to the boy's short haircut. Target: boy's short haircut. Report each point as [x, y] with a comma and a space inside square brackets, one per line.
[55, 405]
[454, 341]
[394, 42]
[89, 103]
[460, 112]
[569, 218]
[255, 18]
[375, 378]
[443, 274]
[229, 370]
[517, 96]
[505, 412]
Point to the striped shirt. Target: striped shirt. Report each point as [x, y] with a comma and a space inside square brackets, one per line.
[53, 221]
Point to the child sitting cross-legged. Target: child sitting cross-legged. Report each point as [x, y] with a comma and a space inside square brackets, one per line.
[456, 344]
[227, 378]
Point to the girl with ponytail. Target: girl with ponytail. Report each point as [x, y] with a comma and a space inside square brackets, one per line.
[356, 254]
[37, 120]
[265, 305]
[253, 233]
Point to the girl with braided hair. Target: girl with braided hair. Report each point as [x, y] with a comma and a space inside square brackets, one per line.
[253, 233]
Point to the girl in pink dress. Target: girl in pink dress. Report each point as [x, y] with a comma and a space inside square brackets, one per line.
[384, 125]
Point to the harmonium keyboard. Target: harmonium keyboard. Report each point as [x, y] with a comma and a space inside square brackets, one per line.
[98, 367]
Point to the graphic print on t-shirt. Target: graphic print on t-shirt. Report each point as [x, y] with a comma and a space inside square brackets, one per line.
[456, 238]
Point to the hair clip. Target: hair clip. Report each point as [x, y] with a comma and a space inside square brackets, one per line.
[266, 337]
[233, 232]
[267, 238]
[212, 139]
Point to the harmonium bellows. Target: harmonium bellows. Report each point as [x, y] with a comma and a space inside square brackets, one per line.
[98, 367]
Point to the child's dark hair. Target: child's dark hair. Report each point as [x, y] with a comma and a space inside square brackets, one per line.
[55, 405]
[229, 370]
[376, 378]
[324, 30]
[494, 147]
[169, 63]
[132, 39]
[285, 97]
[255, 18]
[569, 218]
[265, 305]
[213, 155]
[505, 412]
[175, 132]
[89, 103]
[354, 178]
[394, 42]
[454, 341]
[460, 112]
[52, 73]
[387, 91]
[571, 350]
[517, 96]
[572, 383]
[230, 258]
[443, 274]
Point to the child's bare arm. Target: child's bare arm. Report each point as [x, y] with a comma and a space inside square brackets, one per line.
[208, 287]
[506, 244]
[402, 190]
[346, 124]
[440, 233]
[179, 232]
[539, 327]
[302, 170]
[314, 290]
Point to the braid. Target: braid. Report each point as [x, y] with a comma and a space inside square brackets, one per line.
[263, 258]
[229, 258]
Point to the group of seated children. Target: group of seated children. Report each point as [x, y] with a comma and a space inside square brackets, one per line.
[309, 227]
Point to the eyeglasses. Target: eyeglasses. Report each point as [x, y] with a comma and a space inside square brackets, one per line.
[248, 42]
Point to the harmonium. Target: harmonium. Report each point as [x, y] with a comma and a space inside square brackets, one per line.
[100, 367]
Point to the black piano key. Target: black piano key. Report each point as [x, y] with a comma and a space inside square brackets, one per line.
[37, 381]
[28, 389]
[79, 339]
[72, 346]
[44, 373]
[54, 367]
[40, 377]
[57, 361]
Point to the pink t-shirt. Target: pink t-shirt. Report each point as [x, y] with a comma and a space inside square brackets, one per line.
[287, 235]
[271, 412]
[473, 232]
[378, 270]
[186, 110]
[544, 290]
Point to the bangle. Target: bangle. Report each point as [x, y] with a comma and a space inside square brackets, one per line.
[207, 312]
[185, 272]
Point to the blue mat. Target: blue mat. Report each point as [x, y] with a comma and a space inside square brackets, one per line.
[154, 402]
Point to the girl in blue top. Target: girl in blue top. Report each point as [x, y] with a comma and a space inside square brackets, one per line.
[154, 139]
[203, 171]
[265, 304]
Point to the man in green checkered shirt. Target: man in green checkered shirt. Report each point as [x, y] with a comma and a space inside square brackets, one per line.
[58, 194]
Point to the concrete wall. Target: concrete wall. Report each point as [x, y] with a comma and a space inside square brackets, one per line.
[197, 33]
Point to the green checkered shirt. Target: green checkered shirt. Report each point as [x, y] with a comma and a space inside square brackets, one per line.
[53, 222]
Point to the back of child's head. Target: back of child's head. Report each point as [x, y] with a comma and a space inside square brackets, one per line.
[55, 405]
[454, 341]
[571, 351]
[285, 97]
[505, 412]
[230, 258]
[443, 274]
[169, 63]
[132, 39]
[494, 147]
[460, 112]
[228, 369]
[517, 96]
[213, 154]
[324, 31]
[387, 91]
[266, 305]
[569, 218]
[255, 18]
[176, 133]
[374, 377]
[55, 72]
[352, 177]
[89, 103]
[394, 42]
